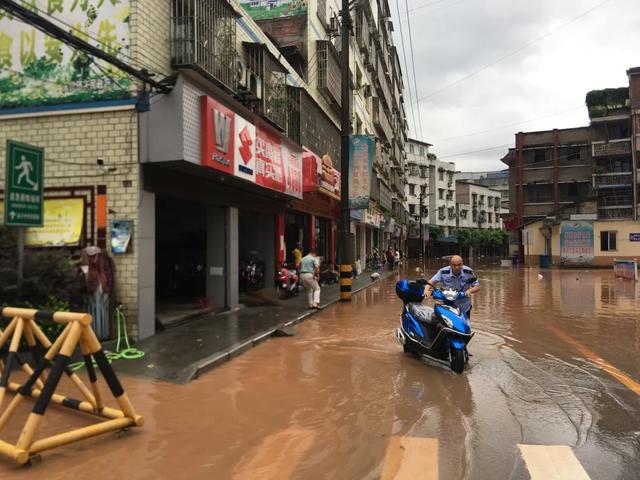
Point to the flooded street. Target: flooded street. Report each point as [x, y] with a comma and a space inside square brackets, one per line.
[555, 362]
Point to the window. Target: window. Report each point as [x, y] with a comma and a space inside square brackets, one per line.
[440, 193]
[440, 174]
[412, 189]
[423, 189]
[608, 241]
[572, 189]
[411, 148]
[412, 209]
[422, 151]
[489, 217]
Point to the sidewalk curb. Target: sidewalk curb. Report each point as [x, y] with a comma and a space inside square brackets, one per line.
[206, 364]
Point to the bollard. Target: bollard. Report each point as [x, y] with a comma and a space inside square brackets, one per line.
[41, 388]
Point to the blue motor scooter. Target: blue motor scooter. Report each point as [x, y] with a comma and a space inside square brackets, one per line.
[442, 332]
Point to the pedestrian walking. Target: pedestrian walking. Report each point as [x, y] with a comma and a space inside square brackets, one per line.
[310, 273]
[297, 256]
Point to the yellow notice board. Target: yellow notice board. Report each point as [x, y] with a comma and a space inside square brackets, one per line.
[63, 221]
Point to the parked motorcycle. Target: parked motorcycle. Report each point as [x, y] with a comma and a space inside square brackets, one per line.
[442, 333]
[287, 281]
[251, 275]
[328, 275]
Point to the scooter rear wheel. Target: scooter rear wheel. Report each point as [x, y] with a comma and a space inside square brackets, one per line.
[457, 360]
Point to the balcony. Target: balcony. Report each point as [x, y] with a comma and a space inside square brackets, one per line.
[381, 122]
[329, 77]
[203, 38]
[611, 148]
[276, 98]
[362, 30]
[612, 180]
[615, 213]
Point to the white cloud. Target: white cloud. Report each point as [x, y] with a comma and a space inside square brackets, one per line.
[550, 78]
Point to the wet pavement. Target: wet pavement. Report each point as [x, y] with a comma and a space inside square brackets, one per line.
[551, 392]
[181, 353]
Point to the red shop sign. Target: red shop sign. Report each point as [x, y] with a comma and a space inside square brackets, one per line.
[293, 171]
[269, 169]
[217, 135]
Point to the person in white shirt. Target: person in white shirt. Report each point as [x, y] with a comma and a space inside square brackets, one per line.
[309, 274]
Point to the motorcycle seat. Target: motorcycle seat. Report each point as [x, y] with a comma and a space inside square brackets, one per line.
[422, 313]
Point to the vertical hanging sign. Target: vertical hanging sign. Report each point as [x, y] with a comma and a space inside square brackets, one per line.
[361, 151]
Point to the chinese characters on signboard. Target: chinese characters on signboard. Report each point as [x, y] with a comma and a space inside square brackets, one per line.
[576, 241]
[37, 69]
[266, 9]
[235, 146]
[361, 151]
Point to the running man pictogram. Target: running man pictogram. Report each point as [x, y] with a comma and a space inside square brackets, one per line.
[27, 167]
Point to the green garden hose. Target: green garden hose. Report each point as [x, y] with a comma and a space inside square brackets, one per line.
[128, 353]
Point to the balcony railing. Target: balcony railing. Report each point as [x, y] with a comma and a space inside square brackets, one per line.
[622, 147]
[329, 77]
[615, 213]
[203, 38]
[611, 180]
[362, 29]
[276, 100]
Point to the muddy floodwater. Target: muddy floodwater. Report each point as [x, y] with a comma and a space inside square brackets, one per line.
[555, 363]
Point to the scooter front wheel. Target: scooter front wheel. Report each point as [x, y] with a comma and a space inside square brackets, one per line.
[457, 360]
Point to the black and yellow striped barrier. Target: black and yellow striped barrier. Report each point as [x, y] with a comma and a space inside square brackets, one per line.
[42, 388]
[345, 282]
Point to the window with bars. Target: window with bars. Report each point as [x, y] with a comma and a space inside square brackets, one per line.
[203, 38]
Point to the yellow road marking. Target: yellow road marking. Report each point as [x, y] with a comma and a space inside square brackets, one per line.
[552, 462]
[277, 455]
[600, 362]
[411, 457]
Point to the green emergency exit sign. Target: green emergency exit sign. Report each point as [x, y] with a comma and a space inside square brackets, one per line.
[24, 179]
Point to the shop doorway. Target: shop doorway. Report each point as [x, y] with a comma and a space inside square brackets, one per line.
[181, 258]
[295, 227]
[256, 250]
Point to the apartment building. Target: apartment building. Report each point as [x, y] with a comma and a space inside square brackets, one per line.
[442, 195]
[478, 206]
[417, 191]
[309, 39]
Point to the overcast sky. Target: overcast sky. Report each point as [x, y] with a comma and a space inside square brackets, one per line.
[543, 84]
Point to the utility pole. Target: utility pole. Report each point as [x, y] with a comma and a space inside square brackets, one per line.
[421, 232]
[346, 259]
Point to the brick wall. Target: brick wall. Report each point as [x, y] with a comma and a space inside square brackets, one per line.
[151, 35]
[72, 143]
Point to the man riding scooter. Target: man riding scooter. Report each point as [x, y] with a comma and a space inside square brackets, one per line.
[455, 276]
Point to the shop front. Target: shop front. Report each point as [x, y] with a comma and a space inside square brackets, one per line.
[312, 220]
[217, 183]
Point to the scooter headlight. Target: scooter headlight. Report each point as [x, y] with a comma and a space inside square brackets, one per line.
[447, 321]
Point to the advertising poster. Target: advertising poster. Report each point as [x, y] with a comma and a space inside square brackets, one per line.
[267, 9]
[576, 241]
[63, 223]
[120, 235]
[38, 70]
[361, 152]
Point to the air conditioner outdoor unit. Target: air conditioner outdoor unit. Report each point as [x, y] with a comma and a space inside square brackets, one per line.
[241, 73]
[334, 25]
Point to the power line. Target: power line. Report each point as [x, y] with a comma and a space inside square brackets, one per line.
[421, 7]
[513, 52]
[413, 63]
[404, 56]
[510, 125]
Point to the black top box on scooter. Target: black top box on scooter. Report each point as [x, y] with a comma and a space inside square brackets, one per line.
[409, 291]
